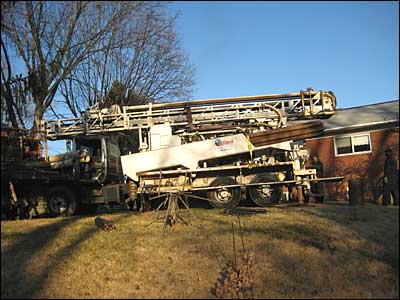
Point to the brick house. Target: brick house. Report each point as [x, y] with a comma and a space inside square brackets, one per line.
[353, 145]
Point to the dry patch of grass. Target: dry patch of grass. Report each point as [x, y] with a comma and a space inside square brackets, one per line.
[320, 251]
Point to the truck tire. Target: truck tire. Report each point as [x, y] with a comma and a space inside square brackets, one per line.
[224, 197]
[264, 195]
[61, 201]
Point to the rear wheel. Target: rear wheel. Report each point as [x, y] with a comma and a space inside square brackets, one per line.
[61, 201]
[224, 197]
[266, 194]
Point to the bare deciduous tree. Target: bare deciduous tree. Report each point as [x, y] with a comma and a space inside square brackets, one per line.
[15, 95]
[149, 64]
[53, 38]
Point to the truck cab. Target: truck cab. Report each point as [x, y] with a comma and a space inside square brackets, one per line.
[103, 164]
[96, 176]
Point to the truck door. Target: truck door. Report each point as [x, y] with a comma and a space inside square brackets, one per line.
[113, 157]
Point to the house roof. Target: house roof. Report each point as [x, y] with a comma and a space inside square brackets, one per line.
[361, 116]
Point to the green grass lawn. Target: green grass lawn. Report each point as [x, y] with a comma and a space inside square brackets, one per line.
[316, 251]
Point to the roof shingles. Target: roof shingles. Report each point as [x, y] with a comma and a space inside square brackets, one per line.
[364, 115]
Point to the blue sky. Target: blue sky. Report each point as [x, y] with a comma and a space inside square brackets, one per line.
[251, 48]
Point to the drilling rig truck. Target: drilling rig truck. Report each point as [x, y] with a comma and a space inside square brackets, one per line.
[229, 148]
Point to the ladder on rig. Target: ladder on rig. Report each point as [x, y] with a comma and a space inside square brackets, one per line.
[244, 112]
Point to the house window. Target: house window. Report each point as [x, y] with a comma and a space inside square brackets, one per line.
[352, 144]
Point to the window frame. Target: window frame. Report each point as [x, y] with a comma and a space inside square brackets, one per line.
[352, 136]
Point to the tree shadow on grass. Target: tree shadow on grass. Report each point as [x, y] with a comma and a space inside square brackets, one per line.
[306, 236]
[304, 276]
[15, 281]
[370, 222]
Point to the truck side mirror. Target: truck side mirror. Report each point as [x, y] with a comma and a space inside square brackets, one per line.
[68, 145]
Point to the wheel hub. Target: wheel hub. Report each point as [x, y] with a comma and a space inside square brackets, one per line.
[58, 204]
[224, 195]
[265, 191]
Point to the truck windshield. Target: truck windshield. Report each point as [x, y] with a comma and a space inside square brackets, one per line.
[93, 147]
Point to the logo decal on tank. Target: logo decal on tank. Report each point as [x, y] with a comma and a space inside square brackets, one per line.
[220, 142]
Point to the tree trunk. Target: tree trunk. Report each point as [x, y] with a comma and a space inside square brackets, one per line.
[9, 101]
[37, 118]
